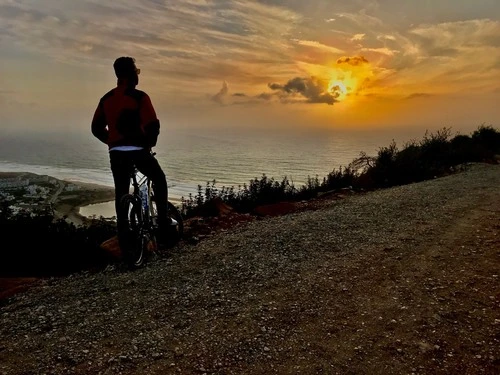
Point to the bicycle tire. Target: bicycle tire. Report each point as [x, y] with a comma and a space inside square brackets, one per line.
[175, 232]
[131, 235]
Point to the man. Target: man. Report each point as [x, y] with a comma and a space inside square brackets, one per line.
[126, 122]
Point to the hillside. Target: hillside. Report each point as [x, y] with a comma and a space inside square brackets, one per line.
[398, 281]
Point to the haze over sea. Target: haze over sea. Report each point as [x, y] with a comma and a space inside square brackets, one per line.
[194, 157]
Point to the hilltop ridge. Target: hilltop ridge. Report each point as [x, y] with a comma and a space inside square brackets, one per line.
[401, 280]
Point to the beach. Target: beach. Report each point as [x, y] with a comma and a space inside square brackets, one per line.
[66, 196]
[89, 194]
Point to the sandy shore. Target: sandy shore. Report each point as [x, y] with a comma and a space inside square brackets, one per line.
[68, 203]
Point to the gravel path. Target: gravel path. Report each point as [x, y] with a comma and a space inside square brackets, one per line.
[399, 281]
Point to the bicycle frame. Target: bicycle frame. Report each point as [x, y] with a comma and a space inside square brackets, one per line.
[149, 214]
[138, 224]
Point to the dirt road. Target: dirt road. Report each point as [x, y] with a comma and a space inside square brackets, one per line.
[400, 281]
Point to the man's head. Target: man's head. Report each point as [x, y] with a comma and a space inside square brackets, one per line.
[125, 69]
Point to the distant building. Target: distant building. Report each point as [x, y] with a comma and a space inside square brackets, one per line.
[13, 183]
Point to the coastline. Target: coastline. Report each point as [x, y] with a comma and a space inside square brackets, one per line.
[72, 195]
[87, 194]
[72, 211]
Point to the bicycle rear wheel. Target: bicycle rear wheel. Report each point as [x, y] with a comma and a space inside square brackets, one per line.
[132, 238]
[174, 232]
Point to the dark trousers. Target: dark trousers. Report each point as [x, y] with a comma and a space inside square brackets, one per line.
[122, 164]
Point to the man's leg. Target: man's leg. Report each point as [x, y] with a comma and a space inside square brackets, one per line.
[149, 166]
[121, 167]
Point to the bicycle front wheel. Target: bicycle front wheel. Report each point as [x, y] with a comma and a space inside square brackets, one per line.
[131, 235]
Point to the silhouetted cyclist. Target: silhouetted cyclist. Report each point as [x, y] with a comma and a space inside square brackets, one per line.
[126, 122]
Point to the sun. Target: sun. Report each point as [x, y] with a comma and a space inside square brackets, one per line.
[338, 89]
[349, 78]
[342, 84]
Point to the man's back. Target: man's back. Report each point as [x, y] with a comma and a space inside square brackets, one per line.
[125, 117]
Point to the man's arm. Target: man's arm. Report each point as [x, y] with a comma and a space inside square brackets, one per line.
[99, 125]
[149, 121]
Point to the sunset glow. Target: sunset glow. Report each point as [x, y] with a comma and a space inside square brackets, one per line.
[339, 89]
[267, 63]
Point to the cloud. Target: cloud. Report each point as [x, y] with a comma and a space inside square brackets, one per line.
[357, 37]
[186, 46]
[318, 45]
[221, 96]
[451, 38]
[295, 90]
[224, 98]
[311, 89]
[354, 60]
[361, 19]
[386, 37]
[177, 40]
[265, 96]
[459, 56]
[350, 76]
[382, 51]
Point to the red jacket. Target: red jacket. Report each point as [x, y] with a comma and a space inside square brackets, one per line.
[125, 117]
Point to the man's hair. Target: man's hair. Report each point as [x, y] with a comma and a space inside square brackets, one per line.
[124, 67]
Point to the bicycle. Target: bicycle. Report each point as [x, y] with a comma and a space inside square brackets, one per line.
[138, 227]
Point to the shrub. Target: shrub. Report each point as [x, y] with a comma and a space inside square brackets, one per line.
[434, 155]
[47, 246]
[487, 139]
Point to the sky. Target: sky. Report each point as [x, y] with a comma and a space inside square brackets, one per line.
[328, 64]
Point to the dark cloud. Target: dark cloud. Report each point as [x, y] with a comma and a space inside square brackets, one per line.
[311, 89]
[295, 90]
[265, 96]
[354, 60]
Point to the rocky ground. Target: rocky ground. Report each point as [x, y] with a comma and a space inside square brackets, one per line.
[399, 281]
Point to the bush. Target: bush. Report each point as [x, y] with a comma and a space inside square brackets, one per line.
[487, 139]
[45, 246]
[434, 155]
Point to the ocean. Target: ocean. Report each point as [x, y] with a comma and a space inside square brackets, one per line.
[195, 157]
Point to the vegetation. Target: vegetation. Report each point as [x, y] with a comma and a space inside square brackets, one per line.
[36, 244]
[437, 154]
